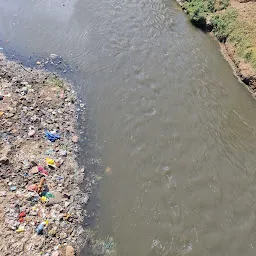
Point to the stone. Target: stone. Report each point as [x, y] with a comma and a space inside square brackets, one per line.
[56, 253]
[63, 235]
[70, 251]
[4, 152]
[24, 89]
[34, 170]
[31, 133]
[75, 139]
[57, 199]
[63, 153]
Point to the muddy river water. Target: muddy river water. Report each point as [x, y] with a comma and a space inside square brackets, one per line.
[172, 122]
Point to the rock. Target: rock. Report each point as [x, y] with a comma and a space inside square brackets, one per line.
[24, 89]
[57, 199]
[70, 251]
[3, 193]
[4, 160]
[34, 170]
[31, 133]
[4, 152]
[13, 188]
[56, 253]
[63, 153]
[63, 235]
[75, 139]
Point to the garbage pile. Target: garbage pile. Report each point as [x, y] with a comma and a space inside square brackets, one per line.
[40, 200]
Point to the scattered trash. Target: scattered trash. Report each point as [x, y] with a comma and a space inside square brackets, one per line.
[52, 136]
[32, 187]
[55, 253]
[40, 168]
[13, 188]
[31, 191]
[62, 94]
[3, 193]
[22, 214]
[44, 172]
[108, 171]
[40, 228]
[40, 186]
[49, 151]
[21, 228]
[49, 195]
[63, 153]
[50, 161]
[31, 133]
[43, 199]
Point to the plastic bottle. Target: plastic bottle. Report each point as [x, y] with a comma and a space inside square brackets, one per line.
[40, 228]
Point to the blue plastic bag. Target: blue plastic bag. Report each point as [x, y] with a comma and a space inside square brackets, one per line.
[51, 136]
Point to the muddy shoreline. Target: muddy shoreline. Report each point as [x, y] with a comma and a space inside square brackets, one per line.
[41, 204]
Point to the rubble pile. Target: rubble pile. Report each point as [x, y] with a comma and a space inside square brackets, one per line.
[40, 200]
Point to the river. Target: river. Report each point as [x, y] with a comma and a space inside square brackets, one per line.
[172, 122]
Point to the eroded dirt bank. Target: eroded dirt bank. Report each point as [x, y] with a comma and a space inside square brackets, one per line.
[232, 22]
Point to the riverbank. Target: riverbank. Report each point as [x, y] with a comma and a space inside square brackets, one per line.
[41, 205]
[233, 25]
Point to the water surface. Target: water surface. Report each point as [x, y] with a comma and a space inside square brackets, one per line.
[173, 123]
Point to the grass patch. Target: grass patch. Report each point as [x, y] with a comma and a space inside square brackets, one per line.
[250, 56]
[226, 26]
[55, 81]
[198, 10]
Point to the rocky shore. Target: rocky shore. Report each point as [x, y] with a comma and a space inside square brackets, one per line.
[41, 205]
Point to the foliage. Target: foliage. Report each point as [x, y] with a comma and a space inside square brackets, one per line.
[224, 23]
[226, 26]
[198, 10]
[223, 4]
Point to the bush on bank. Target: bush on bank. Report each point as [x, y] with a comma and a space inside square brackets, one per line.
[225, 25]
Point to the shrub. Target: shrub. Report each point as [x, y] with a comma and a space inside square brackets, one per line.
[224, 23]
[198, 10]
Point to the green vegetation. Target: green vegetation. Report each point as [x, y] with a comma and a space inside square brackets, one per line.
[55, 81]
[198, 11]
[225, 25]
